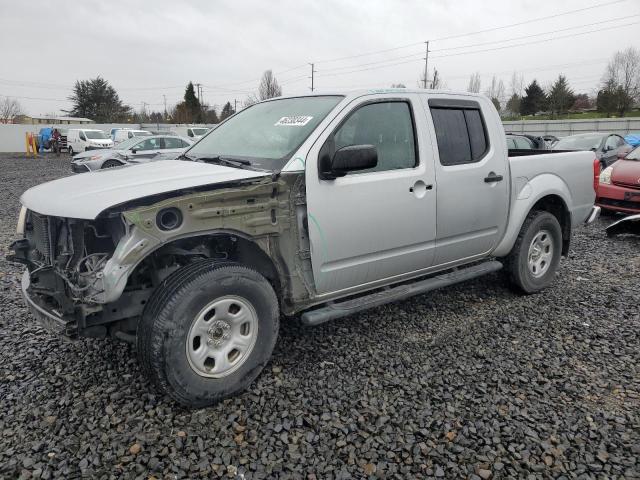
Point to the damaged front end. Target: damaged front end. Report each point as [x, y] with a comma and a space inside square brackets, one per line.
[64, 259]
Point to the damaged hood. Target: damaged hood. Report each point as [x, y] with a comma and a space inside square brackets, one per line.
[87, 195]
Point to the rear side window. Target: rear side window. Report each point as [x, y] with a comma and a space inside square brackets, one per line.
[461, 134]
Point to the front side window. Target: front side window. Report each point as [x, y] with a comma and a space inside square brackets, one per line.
[388, 126]
[460, 134]
[81, 135]
[149, 144]
[612, 142]
[266, 134]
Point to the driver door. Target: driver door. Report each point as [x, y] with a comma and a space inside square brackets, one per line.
[374, 225]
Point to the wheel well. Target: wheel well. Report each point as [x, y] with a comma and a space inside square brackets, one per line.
[220, 246]
[556, 206]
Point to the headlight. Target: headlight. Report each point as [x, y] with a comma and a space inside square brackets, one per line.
[95, 157]
[605, 176]
[22, 218]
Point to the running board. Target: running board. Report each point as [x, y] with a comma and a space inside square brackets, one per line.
[334, 310]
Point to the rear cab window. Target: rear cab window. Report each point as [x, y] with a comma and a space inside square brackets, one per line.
[461, 131]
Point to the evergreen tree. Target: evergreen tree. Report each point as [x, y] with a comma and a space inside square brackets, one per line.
[561, 97]
[97, 100]
[534, 100]
[227, 111]
[513, 104]
[192, 104]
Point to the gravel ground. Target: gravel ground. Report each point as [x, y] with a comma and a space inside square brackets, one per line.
[470, 382]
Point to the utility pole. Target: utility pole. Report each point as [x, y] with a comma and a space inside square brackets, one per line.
[165, 105]
[235, 105]
[198, 85]
[312, 75]
[426, 64]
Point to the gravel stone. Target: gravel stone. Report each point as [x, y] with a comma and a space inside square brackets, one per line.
[474, 381]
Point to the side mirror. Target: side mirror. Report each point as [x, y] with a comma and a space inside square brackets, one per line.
[349, 159]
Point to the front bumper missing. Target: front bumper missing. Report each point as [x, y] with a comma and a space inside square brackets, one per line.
[50, 320]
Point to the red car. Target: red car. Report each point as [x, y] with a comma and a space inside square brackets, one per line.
[619, 186]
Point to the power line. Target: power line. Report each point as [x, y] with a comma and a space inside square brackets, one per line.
[538, 19]
[537, 41]
[536, 34]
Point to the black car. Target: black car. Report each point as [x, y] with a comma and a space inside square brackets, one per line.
[607, 146]
[522, 141]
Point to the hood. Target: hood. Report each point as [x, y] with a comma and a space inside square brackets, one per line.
[626, 171]
[87, 195]
[93, 153]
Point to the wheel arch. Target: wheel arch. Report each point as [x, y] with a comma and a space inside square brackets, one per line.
[546, 192]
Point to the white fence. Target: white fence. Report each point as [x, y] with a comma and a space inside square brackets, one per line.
[12, 137]
[562, 128]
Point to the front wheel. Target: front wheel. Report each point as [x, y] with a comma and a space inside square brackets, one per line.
[111, 164]
[207, 332]
[534, 259]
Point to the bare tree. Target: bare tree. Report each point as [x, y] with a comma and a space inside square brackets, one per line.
[10, 108]
[623, 74]
[474, 83]
[496, 92]
[517, 84]
[436, 81]
[269, 87]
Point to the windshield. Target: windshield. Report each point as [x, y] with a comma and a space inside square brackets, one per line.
[95, 134]
[127, 144]
[266, 134]
[578, 142]
[199, 131]
[634, 155]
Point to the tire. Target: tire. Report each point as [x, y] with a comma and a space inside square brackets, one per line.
[544, 229]
[111, 164]
[170, 332]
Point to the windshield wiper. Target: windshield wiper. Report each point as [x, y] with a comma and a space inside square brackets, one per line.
[217, 159]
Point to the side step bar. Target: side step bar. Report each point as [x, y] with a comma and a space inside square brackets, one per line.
[334, 310]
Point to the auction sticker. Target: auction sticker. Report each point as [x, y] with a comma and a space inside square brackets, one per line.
[293, 121]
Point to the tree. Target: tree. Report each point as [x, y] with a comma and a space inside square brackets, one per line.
[582, 102]
[436, 81]
[269, 87]
[97, 100]
[513, 105]
[192, 104]
[609, 98]
[10, 108]
[534, 100]
[227, 111]
[623, 77]
[496, 92]
[561, 97]
[210, 114]
[474, 83]
[516, 84]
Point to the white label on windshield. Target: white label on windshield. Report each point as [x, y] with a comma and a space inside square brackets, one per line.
[293, 121]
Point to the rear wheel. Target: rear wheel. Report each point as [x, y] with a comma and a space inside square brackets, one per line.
[534, 259]
[207, 332]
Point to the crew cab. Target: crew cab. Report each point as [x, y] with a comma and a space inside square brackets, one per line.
[311, 207]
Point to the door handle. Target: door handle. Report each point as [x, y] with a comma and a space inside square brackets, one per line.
[492, 177]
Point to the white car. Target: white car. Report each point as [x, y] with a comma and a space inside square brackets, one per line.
[83, 139]
[121, 134]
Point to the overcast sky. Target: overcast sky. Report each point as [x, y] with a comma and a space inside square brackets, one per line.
[149, 48]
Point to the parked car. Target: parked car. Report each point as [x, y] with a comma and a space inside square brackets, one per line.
[84, 139]
[197, 132]
[550, 140]
[522, 141]
[619, 188]
[131, 151]
[314, 207]
[607, 146]
[44, 137]
[121, 134]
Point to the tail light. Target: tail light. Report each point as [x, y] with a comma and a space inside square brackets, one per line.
[596, 175]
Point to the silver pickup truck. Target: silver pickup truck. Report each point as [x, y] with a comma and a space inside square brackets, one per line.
[316, 207]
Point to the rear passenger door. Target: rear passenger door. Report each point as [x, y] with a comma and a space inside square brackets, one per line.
[472, 175]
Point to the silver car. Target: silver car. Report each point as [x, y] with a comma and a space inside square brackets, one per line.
[131, 151]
